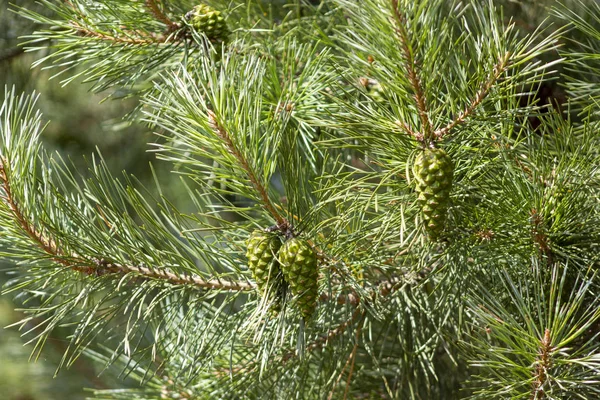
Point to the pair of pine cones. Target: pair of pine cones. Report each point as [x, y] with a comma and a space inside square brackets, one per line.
[275, 264]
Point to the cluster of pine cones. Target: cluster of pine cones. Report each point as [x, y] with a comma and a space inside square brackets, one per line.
[275, 264]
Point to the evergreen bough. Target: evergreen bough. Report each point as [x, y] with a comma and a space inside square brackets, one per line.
[314, 118]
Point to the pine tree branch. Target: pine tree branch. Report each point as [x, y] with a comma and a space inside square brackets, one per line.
[496, 73]
[385, 288]
[83, 31]
[406, 127]
[102, 267]
[337, 381]
[282, 223]
[160, 15]
[351, 359]
[353, 356]
[324, 340]
[330, 335]
[413, 76]
[542, 365]
[137, 38]
[48, 246]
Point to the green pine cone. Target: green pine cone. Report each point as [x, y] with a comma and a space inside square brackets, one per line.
[299, 266]
[209, 21]
[261, 251]
[434, 170]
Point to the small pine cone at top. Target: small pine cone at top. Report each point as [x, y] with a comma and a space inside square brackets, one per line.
[434, 171]
[299, 265]
[205, 19]
[262, 248]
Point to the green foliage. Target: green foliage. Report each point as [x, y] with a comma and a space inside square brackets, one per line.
[306, 124]
[548, 327]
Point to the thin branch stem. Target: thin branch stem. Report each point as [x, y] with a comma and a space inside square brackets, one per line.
[481, 94]
[406, 128]
[261, 190]
[102, 267]
[411, 68]
[139, 38]
[48, 246]
[384, 288]
[353, 356]
[160, 15]
[337, 381]
[542, 365]
[83, 31]
[330, 335]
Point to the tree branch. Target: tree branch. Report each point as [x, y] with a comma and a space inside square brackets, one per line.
[406, 128]
[143, 38]
[102, 267]
[282, 223]
[497, 71]
[385, 288]
[331, 334]
[353, 356]
[542, 365]
[160, 15]
[413, 76]
[83, 31]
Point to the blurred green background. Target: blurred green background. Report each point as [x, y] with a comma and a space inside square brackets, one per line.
[80, 125]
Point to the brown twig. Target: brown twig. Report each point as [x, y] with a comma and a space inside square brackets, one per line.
[337, 381]
[496, 73]
[353, 356]
[542, 365]
[137, 37]
[413, 76]
[83, 31]
[350, 361]
[160, 15]
[282, 223]
[539, 235]
[384, 288]
[102, 267]
[330, 335]
[406, 127]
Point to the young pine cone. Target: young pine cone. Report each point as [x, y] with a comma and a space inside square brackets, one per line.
[261, 253]
[433, 170]
[299, 267]
[209, 21]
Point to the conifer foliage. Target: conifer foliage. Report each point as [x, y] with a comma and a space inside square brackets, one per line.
[373, 212]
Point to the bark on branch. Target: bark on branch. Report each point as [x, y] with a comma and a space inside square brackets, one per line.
[261, 190]
[411, 69]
